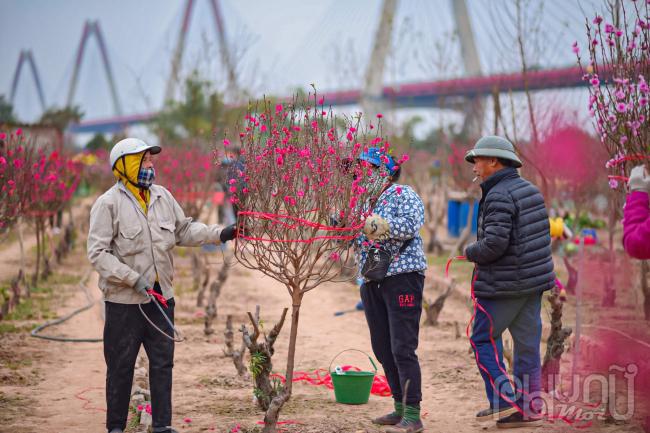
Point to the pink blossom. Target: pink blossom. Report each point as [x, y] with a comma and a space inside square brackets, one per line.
[278, 108]
[314, 125]
[245, 190]
[263, 128]
[3, 161]
[18, 163]
[232, 181]
[300, 193]
[3, 136]
[226, 142]
[620, 94]
[349, 136]
[279, 160]
[575, 48]
[321, 101]
[609, 28]
[613, 183]
[148, 409]
[619, 33]
[643, 101]
[595, 81]
[598, 19]
[140, 407]
[324, 113]
[19, 132]
[297, 128]
[621, 107]
[233, 189]
[379, 115]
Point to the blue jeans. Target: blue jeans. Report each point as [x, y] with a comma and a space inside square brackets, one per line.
[521, 316]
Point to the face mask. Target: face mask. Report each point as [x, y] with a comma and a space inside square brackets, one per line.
[146, 177]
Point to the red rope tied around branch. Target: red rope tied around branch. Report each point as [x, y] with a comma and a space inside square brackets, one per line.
[299, 222]
[477, 307]
[322, 377]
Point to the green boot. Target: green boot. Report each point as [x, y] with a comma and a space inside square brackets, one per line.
[391, 418]
[410, 422]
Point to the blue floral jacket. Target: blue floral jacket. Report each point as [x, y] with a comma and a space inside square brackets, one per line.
[403, 209]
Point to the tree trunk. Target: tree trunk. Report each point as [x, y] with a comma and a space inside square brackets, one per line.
[196, 278]
[261, 358]
[432, 309]
[215, 291]
[572, 282]
[230, 352]
[554, 344]
[645, 288]
[21, 244]
[273, 412]
[38, 251]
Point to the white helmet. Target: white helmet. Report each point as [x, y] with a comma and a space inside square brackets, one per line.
[130, 146]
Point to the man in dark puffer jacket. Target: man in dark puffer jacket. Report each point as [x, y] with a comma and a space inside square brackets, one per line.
[513, 267]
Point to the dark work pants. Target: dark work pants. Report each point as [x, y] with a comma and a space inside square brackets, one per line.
[393, 308]
[522, 317]
[125, 330]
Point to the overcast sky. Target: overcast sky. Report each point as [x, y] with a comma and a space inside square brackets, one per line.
[280, 45]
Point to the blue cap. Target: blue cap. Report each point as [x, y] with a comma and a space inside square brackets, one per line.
[374, 156]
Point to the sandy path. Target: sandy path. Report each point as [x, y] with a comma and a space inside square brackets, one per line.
[207, 389]
[71, 372]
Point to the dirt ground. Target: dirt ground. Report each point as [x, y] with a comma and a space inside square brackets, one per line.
[53, 387]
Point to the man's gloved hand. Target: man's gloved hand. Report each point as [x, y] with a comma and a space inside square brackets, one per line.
[228, 233]
[376, 227]
[141, 286]
[639, 179]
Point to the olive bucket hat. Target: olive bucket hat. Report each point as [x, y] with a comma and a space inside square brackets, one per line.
[495, 147]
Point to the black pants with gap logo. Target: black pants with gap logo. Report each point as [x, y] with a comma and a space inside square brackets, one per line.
[125, 329]
[393, 308]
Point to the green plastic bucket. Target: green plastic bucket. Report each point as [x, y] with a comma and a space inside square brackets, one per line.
[352, 387]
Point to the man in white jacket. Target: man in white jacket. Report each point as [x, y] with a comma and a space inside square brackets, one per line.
[133, 228]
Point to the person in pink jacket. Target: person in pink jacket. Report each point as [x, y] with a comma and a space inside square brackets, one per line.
[636, 215]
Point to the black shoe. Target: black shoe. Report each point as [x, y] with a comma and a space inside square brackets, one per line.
[518, 420]
[388, 419]
[490, 413]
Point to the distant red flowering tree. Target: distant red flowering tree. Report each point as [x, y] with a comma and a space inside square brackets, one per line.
[187, 172]
[620, 47]
[303, 196]
[16, 156]
[55, 177]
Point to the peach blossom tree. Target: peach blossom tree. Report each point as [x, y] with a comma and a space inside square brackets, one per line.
[303, 197]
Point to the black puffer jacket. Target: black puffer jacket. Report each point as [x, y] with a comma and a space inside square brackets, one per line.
[513, 250]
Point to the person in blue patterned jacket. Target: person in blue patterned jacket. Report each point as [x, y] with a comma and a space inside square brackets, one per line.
[393, 306]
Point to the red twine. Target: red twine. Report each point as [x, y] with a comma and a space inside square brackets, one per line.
[87, 402]
[322, 377]
[279, 219]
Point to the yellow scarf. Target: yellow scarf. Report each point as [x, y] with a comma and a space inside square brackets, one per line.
[129, 165]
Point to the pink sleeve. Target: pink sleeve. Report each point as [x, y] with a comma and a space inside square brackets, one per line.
[636, 225]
